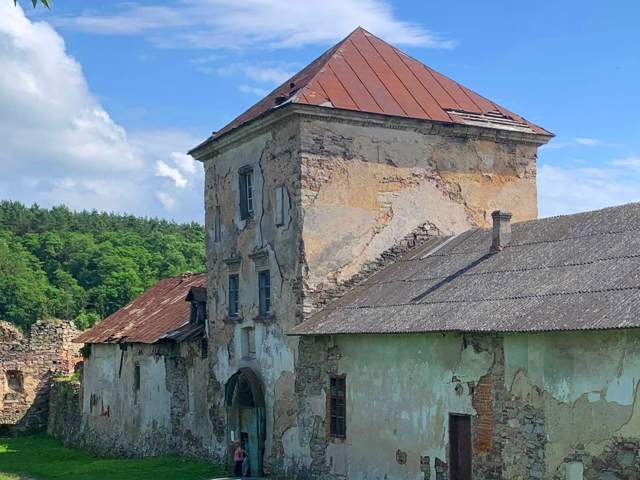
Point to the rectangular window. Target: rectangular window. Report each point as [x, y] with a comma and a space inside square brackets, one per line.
[337, 407]
[234, 295]
[136, 378]
[246, 193]
[249, 342]
[217, 226]
[264, 285]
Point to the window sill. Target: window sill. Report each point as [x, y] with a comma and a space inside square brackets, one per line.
[232, 320]
[268, 318]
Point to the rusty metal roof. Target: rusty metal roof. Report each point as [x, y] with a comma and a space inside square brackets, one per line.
[574, 272]
[161, 312]
[364, 73]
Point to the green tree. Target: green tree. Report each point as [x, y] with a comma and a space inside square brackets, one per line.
[46, 3]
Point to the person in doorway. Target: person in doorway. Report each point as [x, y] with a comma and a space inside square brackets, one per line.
[246, 467]
[239, 455]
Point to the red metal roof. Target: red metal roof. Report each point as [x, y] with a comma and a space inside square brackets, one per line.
[152, 316]
[366, 74]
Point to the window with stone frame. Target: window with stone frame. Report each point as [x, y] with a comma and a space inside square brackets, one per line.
[246, 192]
[248, 342]
[234, 295]
[264, 292]
[337, 407]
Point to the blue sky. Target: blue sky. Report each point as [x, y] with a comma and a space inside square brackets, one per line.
[133, 85]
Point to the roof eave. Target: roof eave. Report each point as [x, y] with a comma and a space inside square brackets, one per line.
[213, 145]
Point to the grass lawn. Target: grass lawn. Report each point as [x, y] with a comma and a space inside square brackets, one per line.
[39, 457]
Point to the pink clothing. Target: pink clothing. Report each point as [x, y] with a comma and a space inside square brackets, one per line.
[238, 455]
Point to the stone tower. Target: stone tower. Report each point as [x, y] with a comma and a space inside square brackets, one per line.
[359, 155]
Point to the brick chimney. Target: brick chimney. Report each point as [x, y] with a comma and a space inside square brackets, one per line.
[501, 230]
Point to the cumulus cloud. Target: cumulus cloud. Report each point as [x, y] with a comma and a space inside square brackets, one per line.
[59, 145]
[229, 24]
[185, 162]
[588, 142]
[564, 190]
[164, 170]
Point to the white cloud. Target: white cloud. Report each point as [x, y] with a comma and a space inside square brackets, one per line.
[59, 145]
[253, 90]
[185, 162]
[632, 163]
[230, 24]
[164, 170]
[568, 190]
[167, 200]
[588, 142]
[46, 109]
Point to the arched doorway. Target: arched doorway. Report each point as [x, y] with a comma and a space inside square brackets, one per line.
[246, 416]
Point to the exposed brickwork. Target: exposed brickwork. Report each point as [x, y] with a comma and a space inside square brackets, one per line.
[27, 365]
[484, 424]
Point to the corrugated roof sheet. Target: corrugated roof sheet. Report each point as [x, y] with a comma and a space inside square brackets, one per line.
[366, 74]
[161, 312]
[574, 272]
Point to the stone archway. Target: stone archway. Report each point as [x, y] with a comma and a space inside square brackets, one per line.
[244, 399]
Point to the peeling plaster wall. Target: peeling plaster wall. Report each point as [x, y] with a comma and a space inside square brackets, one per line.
[555, 405]
[400, 391]
[586, 386]
[365, 187]
[168, 414]
[256, 244]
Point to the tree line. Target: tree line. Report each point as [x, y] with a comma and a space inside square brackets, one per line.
[86, 265]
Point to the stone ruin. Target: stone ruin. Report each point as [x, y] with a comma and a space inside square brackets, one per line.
[28, 364]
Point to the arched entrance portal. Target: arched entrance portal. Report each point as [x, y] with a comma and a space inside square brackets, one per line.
[245, 415]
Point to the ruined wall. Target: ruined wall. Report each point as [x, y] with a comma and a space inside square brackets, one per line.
[539, 407]
[365, 187]
[27, 365]
[159, 410]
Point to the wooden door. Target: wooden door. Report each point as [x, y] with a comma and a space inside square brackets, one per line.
[460, 447]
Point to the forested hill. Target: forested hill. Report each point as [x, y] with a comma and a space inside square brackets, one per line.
[85, 265]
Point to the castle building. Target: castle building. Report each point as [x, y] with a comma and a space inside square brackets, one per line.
[369, 310]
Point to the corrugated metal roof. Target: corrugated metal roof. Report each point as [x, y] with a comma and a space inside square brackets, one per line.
[574, 272]
[366, 74]
[161, 312]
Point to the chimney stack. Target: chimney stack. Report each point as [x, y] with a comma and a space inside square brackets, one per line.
[501, 230]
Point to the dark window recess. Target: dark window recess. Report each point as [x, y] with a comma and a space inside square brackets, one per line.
[264, 285]
[246, 193]
[204, 348]
[217, 226]
[136, 378]
[337, 408]
[460, 447]
[234, 295]
[14, 380]
[198, 312]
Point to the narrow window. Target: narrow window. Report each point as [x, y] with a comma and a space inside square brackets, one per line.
[337, 407]
[217, 226]
[136, 377]
[234, 295]
[264, 285]
[282, 201]
[249, 342]
[198, 312]
[246, 193]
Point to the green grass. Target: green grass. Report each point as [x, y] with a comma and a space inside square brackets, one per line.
[39, 457]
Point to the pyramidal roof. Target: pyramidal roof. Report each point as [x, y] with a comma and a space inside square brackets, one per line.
[365, 74]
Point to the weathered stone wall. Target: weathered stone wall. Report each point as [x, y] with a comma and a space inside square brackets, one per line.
[27, 365]
[366, 186]
[166, 411]
[539, 409]
[65, 411]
